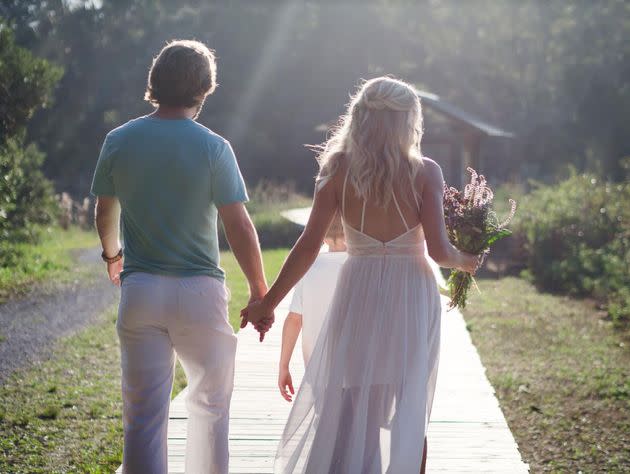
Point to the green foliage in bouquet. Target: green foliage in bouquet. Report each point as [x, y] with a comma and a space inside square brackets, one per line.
[472, 227]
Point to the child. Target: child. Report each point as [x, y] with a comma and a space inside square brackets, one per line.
[311, 298]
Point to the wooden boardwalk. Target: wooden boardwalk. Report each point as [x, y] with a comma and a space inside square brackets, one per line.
[467, 433]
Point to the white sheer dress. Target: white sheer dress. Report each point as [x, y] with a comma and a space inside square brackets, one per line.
[365, 399]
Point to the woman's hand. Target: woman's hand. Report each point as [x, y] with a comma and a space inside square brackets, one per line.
[470, 262]
[256, 311]
[285, 384]
[261, 317]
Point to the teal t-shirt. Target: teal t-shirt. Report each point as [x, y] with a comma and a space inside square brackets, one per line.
[169, 176]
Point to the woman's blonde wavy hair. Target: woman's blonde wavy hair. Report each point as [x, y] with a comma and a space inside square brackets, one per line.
[379, 136]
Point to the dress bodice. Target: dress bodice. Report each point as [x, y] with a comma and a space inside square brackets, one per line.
[410, 242]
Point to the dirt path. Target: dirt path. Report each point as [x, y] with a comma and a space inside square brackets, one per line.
[30, 325]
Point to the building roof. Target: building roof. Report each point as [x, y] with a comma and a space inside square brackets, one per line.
[455, 113]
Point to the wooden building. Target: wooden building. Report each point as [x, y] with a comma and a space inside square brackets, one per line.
[454, 138]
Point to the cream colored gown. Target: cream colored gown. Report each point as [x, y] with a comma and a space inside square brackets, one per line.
[364, 403]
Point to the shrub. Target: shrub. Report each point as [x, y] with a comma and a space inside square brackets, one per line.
[577, 239]
[26, 196]
[267, 201]
[26, 83]
[274, 231]
[269, 196]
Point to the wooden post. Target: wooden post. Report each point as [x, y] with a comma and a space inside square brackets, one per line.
[470, 155]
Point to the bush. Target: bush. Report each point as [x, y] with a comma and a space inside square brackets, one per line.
[268, 196]
[274, 231]
[26, 196]
[577, 239]
[26, 83]
[267, 201]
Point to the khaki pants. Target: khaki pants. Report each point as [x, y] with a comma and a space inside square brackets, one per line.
[160, 316]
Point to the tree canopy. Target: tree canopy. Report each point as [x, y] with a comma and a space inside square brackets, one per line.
[555, 73]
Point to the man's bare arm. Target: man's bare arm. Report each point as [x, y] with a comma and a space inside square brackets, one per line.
[107, 216]
[243, 240]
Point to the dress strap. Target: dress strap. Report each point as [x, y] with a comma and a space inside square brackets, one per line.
[363, 215]
[343, 195]
[399, 211]
[413, 191]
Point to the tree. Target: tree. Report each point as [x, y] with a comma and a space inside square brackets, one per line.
[555, 73]
[26, 196]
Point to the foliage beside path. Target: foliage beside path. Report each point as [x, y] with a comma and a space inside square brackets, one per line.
[561, 373]
[50, 260]
[63, 415]
[273, 260]
[576, 237]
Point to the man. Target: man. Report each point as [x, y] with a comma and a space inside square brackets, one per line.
[170, 177]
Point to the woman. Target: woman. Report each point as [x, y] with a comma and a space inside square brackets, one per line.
[366, 396]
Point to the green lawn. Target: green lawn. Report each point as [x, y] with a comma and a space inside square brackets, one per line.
[561, 372]
[48, 261]
[63, 415]
[273, 260]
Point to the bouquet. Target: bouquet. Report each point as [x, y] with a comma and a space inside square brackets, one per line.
[472, 227]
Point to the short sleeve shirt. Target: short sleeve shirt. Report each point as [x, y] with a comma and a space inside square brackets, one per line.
[170, 177]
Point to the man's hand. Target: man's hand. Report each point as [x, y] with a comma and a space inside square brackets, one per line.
[265, 325]
[285, 382]
[241, 235]
[113, 271]
[259, 315]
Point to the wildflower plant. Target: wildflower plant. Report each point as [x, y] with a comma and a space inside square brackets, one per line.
[472, 227]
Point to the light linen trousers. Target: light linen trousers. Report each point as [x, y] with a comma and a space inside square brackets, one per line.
[160, 316]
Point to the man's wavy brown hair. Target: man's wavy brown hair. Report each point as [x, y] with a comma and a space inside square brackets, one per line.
[182, 75]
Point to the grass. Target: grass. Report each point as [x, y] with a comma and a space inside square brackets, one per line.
[49, 260]
[63, 415]
[561, 372]
[273, 260]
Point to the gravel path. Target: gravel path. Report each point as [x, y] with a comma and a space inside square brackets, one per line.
[30, 325]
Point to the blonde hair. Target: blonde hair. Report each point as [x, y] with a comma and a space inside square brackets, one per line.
[182, 75]
[379, 136]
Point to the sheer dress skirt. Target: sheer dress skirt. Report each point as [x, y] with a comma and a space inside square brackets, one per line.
[365, 399]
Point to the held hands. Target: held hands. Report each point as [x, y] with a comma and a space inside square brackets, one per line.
[259, 315]
[285, 382]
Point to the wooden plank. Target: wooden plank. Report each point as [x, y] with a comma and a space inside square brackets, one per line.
[467, 433]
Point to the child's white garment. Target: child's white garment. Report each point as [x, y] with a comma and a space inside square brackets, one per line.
[313, 294]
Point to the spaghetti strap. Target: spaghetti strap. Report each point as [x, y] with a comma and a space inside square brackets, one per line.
[413, 191]
[399, 211]
[343, 201]
[363, 215]
[343, 195]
